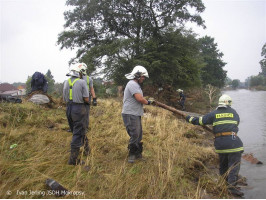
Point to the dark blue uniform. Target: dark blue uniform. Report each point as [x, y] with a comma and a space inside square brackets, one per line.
[76, 115]
[227, 144]
[182, 100]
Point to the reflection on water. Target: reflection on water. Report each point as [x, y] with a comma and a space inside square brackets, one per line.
[251, 107]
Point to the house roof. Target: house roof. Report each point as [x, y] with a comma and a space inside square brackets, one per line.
[6, 87]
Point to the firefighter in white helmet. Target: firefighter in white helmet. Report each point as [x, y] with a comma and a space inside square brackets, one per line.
[228, 145]
[89, 81]
[76, 95]
[182, 98]
[133, 110]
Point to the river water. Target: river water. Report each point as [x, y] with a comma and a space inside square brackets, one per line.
[251, 107]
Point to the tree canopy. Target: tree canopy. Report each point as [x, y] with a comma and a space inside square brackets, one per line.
[110, 33]
[94, 22]
[116, 35]
[50, 79]
[212, 73]
[235, 83]
[173, 59]
[263, 61]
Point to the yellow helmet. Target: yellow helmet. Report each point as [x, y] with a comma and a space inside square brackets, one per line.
[225, 100]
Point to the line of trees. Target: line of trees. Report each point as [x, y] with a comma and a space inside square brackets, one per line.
[116, 35]
[259, 81]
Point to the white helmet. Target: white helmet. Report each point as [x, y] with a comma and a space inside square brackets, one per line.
[137, 72]
[179, 90]
[225, 100]
[75, 69]
[83, 68]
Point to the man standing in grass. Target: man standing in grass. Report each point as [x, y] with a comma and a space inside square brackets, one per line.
[89, 82]
[76, 95]
[182, 98]
[227, 144]
[133, 110]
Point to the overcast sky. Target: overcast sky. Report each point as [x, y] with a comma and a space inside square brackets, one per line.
[29, 30]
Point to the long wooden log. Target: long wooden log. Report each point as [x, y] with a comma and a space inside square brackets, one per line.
[170, 108]
[248, 157]
[183, 114]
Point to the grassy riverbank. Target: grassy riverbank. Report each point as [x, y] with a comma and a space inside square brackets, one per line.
[179, 158]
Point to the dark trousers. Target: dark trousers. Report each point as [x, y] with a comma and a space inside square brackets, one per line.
[230, 166]
[70, 122]
[77, 118]
[88, 116]
[182, 104]
[134, 129]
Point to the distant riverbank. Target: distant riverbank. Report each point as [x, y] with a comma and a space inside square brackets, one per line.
[255, 88]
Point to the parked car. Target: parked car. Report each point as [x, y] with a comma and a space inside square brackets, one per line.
[9, 98]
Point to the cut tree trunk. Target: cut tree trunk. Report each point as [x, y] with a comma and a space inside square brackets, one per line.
[181, 113]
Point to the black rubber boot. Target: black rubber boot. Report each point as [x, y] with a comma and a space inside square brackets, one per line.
[139, 151]
[236, 192]
[132, 156]
[73, 160]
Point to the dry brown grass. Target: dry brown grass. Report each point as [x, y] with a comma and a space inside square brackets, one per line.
[178, 164]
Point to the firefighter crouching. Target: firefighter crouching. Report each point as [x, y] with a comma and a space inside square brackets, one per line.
[227, 144]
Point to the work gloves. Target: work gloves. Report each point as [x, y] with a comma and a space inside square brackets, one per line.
[150, 101]
[94, 101]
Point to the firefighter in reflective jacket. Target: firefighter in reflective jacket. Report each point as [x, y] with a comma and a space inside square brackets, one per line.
[227, 144]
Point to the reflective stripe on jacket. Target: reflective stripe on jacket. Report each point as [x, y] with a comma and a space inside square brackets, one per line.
[223, 119]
